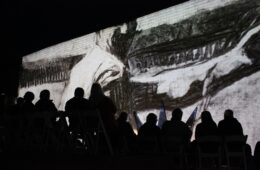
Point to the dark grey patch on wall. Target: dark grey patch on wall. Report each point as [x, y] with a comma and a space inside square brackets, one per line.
[48, 71]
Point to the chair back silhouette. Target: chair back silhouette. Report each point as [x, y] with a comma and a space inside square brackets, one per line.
[124, 145]
[209, 152]
[91, 128]
[174, 146]
[235, 150]
[148, 144]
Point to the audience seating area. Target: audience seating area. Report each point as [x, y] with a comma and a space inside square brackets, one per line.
[85, 139]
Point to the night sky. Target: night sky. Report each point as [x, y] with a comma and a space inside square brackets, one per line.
[28, 26]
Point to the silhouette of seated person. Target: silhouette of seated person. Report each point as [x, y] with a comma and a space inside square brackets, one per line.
[105, 106]
[43, 121]
[76, 108]
[27, 111]
[230, 125]
[28, 108]
[125, 131]
[207, 128]
[44, 104]
[176, 128]
[149, 134]
[47, 109]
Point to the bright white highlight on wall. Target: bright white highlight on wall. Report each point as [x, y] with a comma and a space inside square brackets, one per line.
[200, 53]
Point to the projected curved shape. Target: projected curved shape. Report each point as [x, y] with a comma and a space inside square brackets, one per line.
[203, 54]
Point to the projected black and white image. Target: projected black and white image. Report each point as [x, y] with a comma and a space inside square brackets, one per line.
[205, 55]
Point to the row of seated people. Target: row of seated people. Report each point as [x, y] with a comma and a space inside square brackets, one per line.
[26, 121]
[176, 135]
[175, 127]
[224, 141]
[21, 129]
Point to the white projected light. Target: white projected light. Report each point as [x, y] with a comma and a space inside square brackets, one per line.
[200, 53]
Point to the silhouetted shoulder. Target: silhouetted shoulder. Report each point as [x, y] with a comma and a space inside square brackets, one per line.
[229, 125]
[42, 106]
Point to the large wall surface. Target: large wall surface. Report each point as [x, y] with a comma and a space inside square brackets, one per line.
[201, 53]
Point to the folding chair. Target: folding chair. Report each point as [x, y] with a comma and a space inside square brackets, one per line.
[175, 147]
[148, 144]
[235, 149]
[209, 149]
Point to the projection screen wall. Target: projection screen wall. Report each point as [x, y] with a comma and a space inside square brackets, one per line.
[200, 53]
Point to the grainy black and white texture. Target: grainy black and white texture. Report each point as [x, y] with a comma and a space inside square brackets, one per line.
[209, 58]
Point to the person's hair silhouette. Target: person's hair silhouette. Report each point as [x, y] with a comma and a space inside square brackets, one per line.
[28, 96]
[206, 117]
[149, 128]
[79, 92]
[177, 114]
[228, 114]
[207, 127]
[45, 104]
[122, 117]
[45, 94]
[176, 128]
[230, 125]
[151, 119]
[19, 101]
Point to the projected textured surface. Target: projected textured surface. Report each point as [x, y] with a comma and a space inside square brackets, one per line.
[200, 53]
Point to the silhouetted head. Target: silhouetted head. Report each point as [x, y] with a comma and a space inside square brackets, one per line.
[228, 114]
[122, 117]
[28, 96]
[19, 101]
[79, 92]
[45, 94]
[151, 118]
[206, 116]
[257, 150]
[177, 114]
[96, 90]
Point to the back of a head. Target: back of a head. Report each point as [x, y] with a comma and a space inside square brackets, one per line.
[228, 114]
[257, 150]
[96, 90]
[45, 94]
[122, 117]
[177, 114]
[206, 117]
[79, 92]
[19, 101]
[151, 118]
[28, 96]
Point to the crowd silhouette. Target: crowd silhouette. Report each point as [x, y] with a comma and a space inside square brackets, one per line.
[89, 126]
